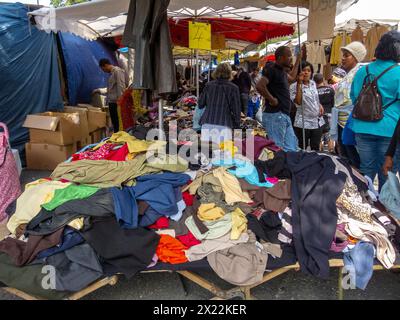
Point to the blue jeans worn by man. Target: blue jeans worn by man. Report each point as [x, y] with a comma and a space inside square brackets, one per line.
[280, 130]
[372, 150]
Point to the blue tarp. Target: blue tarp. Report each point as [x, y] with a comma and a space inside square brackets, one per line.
[29, 77]
[81, 59]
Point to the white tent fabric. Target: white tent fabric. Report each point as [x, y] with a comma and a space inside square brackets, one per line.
[99, 18]
[107, 17]
[366, 12]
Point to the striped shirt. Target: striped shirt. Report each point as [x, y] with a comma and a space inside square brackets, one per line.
[221, 100]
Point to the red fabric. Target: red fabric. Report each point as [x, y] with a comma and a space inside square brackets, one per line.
[118, 155]
[170, 250]
[188, 240]
[125, 105]
[161, 223]
[188, 198]
[248, 31]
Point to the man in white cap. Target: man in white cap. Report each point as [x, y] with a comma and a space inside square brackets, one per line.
[353, 55]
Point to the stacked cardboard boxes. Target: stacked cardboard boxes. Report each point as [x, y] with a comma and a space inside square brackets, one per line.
[54, 137]
[97, 119]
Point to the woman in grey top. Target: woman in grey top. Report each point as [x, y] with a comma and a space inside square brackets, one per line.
[304, 94]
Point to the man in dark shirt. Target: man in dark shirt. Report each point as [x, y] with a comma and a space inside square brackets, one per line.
[274, 87]
[327, 99]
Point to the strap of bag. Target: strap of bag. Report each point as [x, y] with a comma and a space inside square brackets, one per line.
[386, 71]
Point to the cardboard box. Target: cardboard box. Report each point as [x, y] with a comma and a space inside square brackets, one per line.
[97, 118]
[98, 135]
[41, 156]
[84, 142]
[83, 119]
[54, 128]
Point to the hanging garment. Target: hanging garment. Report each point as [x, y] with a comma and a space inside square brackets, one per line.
[315, 189]
[316, 53]
[357, 35]
[372, 39]
[126, 118]
[147, 31]
[341, 40]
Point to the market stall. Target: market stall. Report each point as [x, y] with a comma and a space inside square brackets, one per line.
[242, 209]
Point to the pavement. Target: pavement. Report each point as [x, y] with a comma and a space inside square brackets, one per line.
[384, 285]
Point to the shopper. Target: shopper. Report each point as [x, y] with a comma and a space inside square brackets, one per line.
[353, 54]
[274, 87]
[373, 138]
[304, 94]
[244, 83]
[116, 86]
[221, 100]
[327, 99]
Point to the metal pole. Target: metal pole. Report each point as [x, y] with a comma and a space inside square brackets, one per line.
[197, 74]
[209, 67]
[160, 119]
[301, 106]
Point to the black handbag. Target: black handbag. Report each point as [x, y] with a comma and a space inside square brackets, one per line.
[369, 106]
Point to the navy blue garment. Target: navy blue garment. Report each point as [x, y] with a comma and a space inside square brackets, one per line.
[82, 65]
[359, 262]
[29, 78]
[70, 239]
[315, 189]
[151, 216]
[157, 190]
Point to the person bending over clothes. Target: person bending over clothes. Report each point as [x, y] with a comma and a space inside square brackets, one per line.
[304, 93]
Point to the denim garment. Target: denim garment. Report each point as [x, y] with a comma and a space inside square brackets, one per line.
[279, 129]
[390, 195]
[372, 150]
[360, 263]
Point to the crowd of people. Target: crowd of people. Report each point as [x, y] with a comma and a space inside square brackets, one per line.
[295, 102]
[323, 110]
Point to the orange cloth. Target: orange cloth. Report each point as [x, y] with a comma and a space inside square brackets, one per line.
[170, 250]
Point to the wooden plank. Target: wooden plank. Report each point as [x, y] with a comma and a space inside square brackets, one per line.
[93, 287]
[20, 294]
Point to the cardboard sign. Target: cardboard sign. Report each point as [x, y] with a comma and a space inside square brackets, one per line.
[199, 35]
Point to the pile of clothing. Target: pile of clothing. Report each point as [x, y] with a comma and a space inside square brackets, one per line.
[114, 209]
